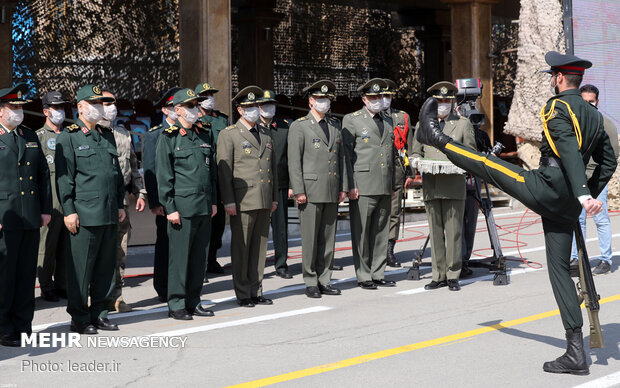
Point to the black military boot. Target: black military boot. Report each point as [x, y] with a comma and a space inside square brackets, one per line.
[391, 259]
[430, 132]
[574, 360]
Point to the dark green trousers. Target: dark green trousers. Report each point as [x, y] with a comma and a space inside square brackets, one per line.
[512, 179]
[396, 207]
[218, 224]
[318, 239]
[91, 268]
[187, 260]
[18, 271]
[279, 231]
[53, 247]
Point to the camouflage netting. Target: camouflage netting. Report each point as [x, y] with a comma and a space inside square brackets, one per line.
[128, 46]
[504, 42]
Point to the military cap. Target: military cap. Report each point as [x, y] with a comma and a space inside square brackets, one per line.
[248, 96]
[322, 88]
[373, 87]
[183, 96]
[166, 98]
[443, 89]
[14, 95]
[205, 88]
[92, 93]
[567, 64]
[52, 98]
[391, 87]
[268, 96]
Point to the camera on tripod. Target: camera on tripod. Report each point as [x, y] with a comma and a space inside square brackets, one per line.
[470, 89]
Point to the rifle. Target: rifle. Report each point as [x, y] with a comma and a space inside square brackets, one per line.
[587, 290]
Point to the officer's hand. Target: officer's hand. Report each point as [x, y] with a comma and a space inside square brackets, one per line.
[353, 194]
[174, 218]
[592, 206]
[290, 193]
[408, 183]
[341, 196]
[140, 205]
[274, 206]
[213, 210]
[121, 215]
[231, 210]
[45, 219]
[300, 198]
[72, 222]
[158, 210]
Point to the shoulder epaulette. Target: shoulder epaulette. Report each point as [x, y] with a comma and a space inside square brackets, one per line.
[73, 127]
[155, 128]
[171, 129]
[230, 127]
[303, 118]
[40, 131]
[357, 113]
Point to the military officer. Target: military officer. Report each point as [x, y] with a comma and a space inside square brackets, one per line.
[443, 188]
[248, 182]
[318, 177]
[128, 163]
[55, 236]
[91, 191]
[160, 264]
[185, 169]
[213, 120]
[558, 190]
[369, 153]
[279, 218]
[402, 170]
[26, 206]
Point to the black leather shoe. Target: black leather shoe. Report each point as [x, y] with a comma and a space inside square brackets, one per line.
[384, 283]
[367, 285]
[453, 285]
[434, 285]
[430, 132]
[50, 296]
[329, 290]
[61, 293]
[12, 340]
[245, 303]
[313, 292]
[202, 312]
[215, 267]
[105, 324]
[83, 328]
[336, 267]
[261, 300]
[283, 273]
[574, 360]
[180, 314]
[465, 271]
[393, 263]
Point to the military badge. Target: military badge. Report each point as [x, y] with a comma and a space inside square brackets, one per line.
[207, 161]
[317, 143]
[83, 147]
[324, 89]
[251, 96]
[183, 132]
[19, 94]
[206, 86]
[247, 147]
[205, 145]
[50, 159]
[96, 89]
[2, 132]
[376, 87]
[269, 146]
[191, 93]
[32, 144]
[267, 94]
[51, 143]
[85, 130]
[443, 90]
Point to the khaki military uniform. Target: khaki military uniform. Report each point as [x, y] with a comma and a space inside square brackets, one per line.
[248, 179]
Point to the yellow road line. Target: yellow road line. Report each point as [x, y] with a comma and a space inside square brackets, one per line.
[403, 349]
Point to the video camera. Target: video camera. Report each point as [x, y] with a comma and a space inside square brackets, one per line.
[469, 90]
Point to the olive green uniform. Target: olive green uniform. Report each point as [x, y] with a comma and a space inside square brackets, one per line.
[370, 168]
[248, 180]
[54, 237]
[25, 194]
[401, 120]
[317, 169]
[90, 184]
[444, 200]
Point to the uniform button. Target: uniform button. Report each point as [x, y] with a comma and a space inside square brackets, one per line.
[268, 180]
[27, 163]
[23, 193]
[21, 179]
[268, 170]
[381, 154]
[32, 193]
[267, 158]
[260, 170]
[262, 181]
[19, 163]
[381, 164]
[334, 173]
[30, 178]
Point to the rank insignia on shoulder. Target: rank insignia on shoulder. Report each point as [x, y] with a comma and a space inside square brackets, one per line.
[2, 131]
[85, 130]
[154, 128]
[359, 112]
[171, 129]
[229, 127]
[73, 127]
[32, 144]
[183, 132]
[303, 118]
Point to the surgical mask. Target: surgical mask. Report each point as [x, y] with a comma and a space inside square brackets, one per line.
[208, 103]
[93, 112]
[56, 116]
[374, 106]
[444, 109]
[268, 111]
[190, 115]
[322, 105]
[109, 112]
[171, 114]
[387, 102]
[251, 114]
[553, 88]
[14, 117]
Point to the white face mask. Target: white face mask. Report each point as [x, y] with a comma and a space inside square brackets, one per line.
[251, 114]
[190, 114]
[13, 117]
[171, 114]
[387, 102]
[374, 106]
[322, 105]
[268, 111]
[93, 112]
[109, 112]
[553, 88]
[208, 103]
[57, 116]
[444, 109]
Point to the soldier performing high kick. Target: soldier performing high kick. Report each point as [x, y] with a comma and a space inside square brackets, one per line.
[572, 133]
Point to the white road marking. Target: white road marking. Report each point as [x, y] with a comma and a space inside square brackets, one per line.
[612, 380]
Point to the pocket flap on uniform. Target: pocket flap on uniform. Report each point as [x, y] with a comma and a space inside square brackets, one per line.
[361, 167]
[4, 195]
[84, 153]
[86, 195]
[185, 192]
[310, 176]
[182, 153]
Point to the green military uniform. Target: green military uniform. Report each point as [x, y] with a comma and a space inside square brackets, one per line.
[25, 194]
[215, 121]
[185, 169]
[90, 184]
[248, 181]
[317, 169]
[443, 188]
[370, 168]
